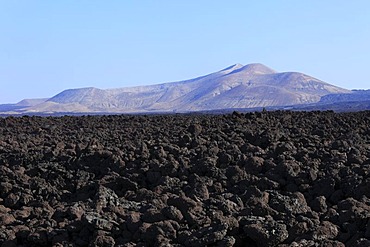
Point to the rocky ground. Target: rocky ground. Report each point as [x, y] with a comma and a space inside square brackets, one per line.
[254, 179]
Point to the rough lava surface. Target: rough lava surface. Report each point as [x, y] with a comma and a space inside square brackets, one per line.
[256, 179]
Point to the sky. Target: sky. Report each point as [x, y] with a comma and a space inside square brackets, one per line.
[49, 46]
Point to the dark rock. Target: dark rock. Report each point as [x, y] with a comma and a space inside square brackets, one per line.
[6, 219]
[254, 165]
[299, 229]
[367, 233]
[9, 243]
[195, 129]
[324, 187]
[363, 242]
[207, 236]
[319, 204]
[98, 222]
[38, 238]
[228, 241]
[326, 230]
[75, 212]
[152, 215]
[133, 222]
[103, 240]
[235, 174]
[336, 196]
[172, 213]
[255, 179]
[265, 233]
[11, 200]
[294, 203]
[5, 188]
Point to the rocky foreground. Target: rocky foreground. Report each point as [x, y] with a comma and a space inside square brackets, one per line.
[255, 179]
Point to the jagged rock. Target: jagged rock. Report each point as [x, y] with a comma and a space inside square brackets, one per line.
[172, 213]
[6, 219]
[246, 179]
[326, 230]
[102, 240]
[254, 165]
[98, 222]
[265, 232]
[38, 238]
[363, 242]
[152, 215]
[294, 203]
[207, 236]
[319, 204]
[195, 129]
[105, 197]
[5, 188]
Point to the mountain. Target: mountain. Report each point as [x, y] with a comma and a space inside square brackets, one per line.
[355, 96]
[237, 86]
[21, 105]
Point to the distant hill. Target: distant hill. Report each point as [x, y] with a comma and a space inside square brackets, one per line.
[355, 96]
[20, 106]
[237, 86]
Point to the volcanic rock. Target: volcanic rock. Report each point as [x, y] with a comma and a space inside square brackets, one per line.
[255, 179]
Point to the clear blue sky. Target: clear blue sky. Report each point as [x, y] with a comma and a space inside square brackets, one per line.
[47, 46]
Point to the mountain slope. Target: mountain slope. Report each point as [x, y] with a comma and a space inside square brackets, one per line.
[237, 86]
[21, 105]
[355, 96]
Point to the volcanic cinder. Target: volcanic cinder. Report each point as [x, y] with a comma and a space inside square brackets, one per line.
[254, 179]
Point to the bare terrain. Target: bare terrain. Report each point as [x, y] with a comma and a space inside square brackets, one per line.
[243, 179]
[237, 86]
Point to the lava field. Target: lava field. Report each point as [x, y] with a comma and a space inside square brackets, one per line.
[275, 178]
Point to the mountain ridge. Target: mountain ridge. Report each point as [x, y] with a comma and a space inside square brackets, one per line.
[236, 86]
